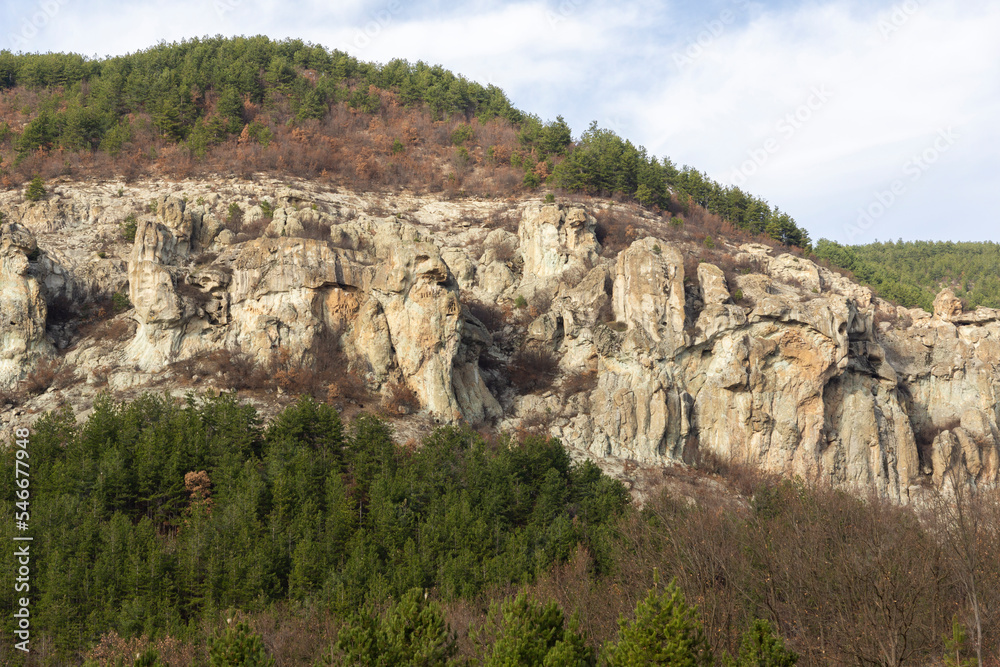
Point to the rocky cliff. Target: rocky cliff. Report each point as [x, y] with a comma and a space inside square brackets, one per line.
[645, 357]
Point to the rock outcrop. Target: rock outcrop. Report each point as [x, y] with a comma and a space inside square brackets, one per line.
[783, 364]
[22, 306]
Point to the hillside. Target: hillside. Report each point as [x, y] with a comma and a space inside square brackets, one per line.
[911, 273]
[333, 363]
[245, 105]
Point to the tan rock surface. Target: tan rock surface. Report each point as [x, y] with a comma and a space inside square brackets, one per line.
[795, 377]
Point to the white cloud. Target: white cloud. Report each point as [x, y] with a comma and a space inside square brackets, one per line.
[892, 89]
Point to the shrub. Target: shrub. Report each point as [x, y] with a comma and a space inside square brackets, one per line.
[583, 381]
[120, 302]
[115, 330]
[265, 206]
[550, 198]
[248, 231]
[399, 399]
[234, 216]
[709, 243]
[520, 302]
[462, 134]
[39, 380]
[128, 228]
[397, 147]
[533, 369]
[488, 313]
[36, 190]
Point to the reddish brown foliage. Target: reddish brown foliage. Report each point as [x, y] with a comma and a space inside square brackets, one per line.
[345, 148]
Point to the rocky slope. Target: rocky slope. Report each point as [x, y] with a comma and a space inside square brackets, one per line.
[782, 364]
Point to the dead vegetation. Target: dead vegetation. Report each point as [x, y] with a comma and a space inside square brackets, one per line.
[490, 314]
[396, 146]
[324, 373]
[47, 374]
[533, 369]
[584, 381]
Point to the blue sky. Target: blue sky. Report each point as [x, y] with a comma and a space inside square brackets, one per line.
[863, 120]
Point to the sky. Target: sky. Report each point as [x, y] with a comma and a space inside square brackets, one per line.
[864, 121]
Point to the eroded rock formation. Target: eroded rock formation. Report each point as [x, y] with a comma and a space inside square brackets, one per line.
[786, 365]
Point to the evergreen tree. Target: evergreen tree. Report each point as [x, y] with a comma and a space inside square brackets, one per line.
[238, 646]
[954, 646]
[36, 190]
[230, 110]
[412, 632]
[535, 634]
[665, 631]
[759, 647]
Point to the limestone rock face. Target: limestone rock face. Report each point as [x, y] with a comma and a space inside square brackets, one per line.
[555, 240]
[786, 365]
[947, 305]
[285, 291]
[799, 383]
[649, 292]
[791, 268]
[424, 319]
[22, 306]
[712, 281]
[400, 317]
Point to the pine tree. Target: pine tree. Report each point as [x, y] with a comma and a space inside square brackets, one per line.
[954, 646]
[666, 631]
[36, 190]
[413, 632]
[759, 647]
[238, 647]
[535, 634]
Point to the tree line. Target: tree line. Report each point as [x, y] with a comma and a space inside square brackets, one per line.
[199, 93]
[911, 273]
[158, 520]
[152, 515]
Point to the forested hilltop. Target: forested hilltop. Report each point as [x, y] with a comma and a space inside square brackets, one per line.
[911, 273]
[244, 105]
